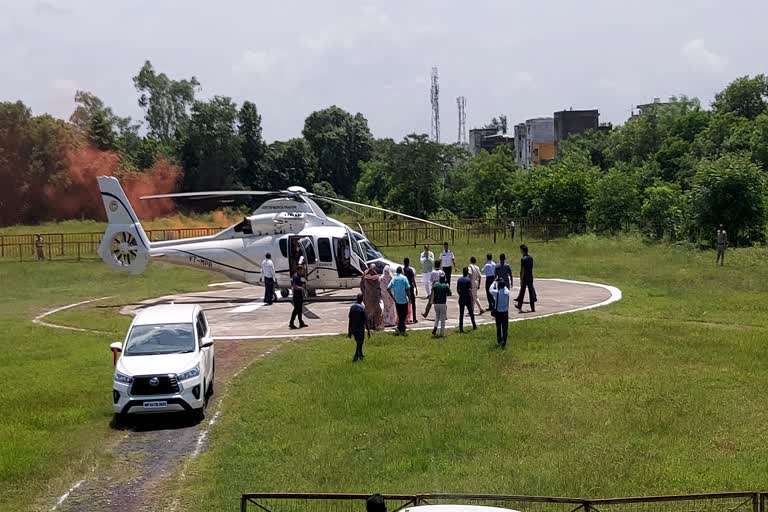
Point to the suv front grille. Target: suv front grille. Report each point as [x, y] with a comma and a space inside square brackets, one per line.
[166, 385]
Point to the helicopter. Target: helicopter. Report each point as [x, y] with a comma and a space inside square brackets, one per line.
[289, 225]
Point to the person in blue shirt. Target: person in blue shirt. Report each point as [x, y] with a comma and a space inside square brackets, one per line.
[357, 325]
[398, 289]
[500, 294]
[504, 271]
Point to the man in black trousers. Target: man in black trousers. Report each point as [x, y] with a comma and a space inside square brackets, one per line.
[526, 280]
[411, 275]
[504, 271]
[464, 289]
[297, 287]
[357, 325]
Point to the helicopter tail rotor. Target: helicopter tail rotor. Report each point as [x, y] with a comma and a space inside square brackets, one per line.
[124, 246]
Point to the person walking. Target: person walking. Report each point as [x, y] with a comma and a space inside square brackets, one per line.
[504, 271]
[398, 290]
[371, 289]
[297, 289]
[526, 280]
[427, 259]
[39, 247]
[447, 261]
[434, 277]
[722, 244]
[440, 293]
[464, 289]
[268, 272]
[390, 315]
[512, 229]
[413, 292]
[475, 277]
[357, 326]
[501, 313]
[489, 271]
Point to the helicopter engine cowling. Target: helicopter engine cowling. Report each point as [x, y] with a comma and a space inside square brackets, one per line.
[276, 223]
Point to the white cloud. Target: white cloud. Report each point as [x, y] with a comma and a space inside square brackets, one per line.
[64, 85]
[255, 61]
[50, 8]
[522, 80]
[701, 58]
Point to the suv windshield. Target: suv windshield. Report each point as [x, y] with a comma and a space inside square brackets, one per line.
[147, 340]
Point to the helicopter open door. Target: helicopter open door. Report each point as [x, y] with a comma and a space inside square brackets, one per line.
[302, 252]
[357, 256]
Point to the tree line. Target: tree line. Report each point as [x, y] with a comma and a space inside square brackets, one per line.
[675, 171]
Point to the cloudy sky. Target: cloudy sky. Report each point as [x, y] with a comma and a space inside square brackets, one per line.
[520, 58]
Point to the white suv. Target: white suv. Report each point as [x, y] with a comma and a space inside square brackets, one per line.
[166, 362]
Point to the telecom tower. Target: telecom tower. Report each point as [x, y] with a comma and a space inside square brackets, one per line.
[434, 98]
[461, 101]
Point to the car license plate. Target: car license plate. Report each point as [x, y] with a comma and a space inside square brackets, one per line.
[157, 404]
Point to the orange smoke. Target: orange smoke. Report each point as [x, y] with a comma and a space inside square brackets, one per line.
[76, 194]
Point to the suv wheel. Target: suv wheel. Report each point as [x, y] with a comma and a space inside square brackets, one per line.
[199, 414]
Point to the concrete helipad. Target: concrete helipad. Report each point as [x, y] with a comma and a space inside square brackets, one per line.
[236, 311]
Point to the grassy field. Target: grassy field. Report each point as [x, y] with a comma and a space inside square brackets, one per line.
[663, 392]
[54, 399]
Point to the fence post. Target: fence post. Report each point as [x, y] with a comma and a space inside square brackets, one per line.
[387, 231]
[415, 234]
[61, 242]
[243, 504]
[453, 237]
[756, 502]
[78, 251]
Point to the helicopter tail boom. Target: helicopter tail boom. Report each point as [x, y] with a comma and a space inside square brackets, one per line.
[124, 246]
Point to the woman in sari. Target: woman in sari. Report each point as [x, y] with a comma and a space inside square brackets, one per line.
[371, 289]
[390, 315]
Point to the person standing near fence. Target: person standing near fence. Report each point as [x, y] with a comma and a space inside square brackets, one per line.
[357, 326]
[501, 312]
[268, 272]
[489, 271]
[375, 503]
[474, 276]
[464, 289]
[512, 230]
[526, 280]
[39, 247]
[722, 243]
[447, 261]
[427, 259]
[440, 293]
[413, 292]
[398, 290]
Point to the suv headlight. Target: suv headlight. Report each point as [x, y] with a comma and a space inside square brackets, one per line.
[123, 379]
[189, 374]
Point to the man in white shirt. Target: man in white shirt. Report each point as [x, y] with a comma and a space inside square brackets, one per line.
[447, 260]
[268, 273]
[427, 259]
[489, 271]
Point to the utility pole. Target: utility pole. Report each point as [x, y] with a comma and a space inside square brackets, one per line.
[434, 98]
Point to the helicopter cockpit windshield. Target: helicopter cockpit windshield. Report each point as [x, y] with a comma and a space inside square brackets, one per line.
[370, 250]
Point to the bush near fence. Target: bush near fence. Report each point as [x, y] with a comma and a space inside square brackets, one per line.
[84, 246]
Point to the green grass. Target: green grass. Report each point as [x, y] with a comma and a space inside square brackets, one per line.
[663, 392]
[55, 393]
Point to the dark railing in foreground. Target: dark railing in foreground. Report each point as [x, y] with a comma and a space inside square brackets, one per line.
[308, 502]
[79, 246]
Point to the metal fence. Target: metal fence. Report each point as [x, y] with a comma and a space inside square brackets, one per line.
[306, 502]
[79, 246]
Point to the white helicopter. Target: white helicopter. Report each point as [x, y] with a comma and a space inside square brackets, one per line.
[290, 225]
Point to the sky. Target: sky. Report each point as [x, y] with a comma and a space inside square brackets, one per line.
[520, 58]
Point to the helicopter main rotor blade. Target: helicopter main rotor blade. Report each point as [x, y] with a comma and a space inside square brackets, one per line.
[387, 211]
[335, 203]
[217, 193]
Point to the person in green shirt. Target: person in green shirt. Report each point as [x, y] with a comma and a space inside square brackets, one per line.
[440, 293]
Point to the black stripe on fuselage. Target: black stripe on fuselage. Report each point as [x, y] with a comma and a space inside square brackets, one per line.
[128, 211]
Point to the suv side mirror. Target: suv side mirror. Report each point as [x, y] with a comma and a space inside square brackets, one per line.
[116, 346]
[206, 342]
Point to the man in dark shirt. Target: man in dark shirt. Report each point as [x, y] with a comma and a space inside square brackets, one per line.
[297, 287]
[375, 503]
[526, 279]
[357, 324]
[411, 275]
[464, 289]
[504, 271]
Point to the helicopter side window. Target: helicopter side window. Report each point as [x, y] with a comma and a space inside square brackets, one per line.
[324, 249]
[244, 227]
[283, 243]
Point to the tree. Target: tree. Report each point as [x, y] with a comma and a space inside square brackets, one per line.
[746, 97]
[252, 171]
[211, 150]
[340, 141]
[662, 212]
[498, 123]
[290, 163]
[486, 184]
[730, 190]
[103, 128]
[166, 101]
[615, 202]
